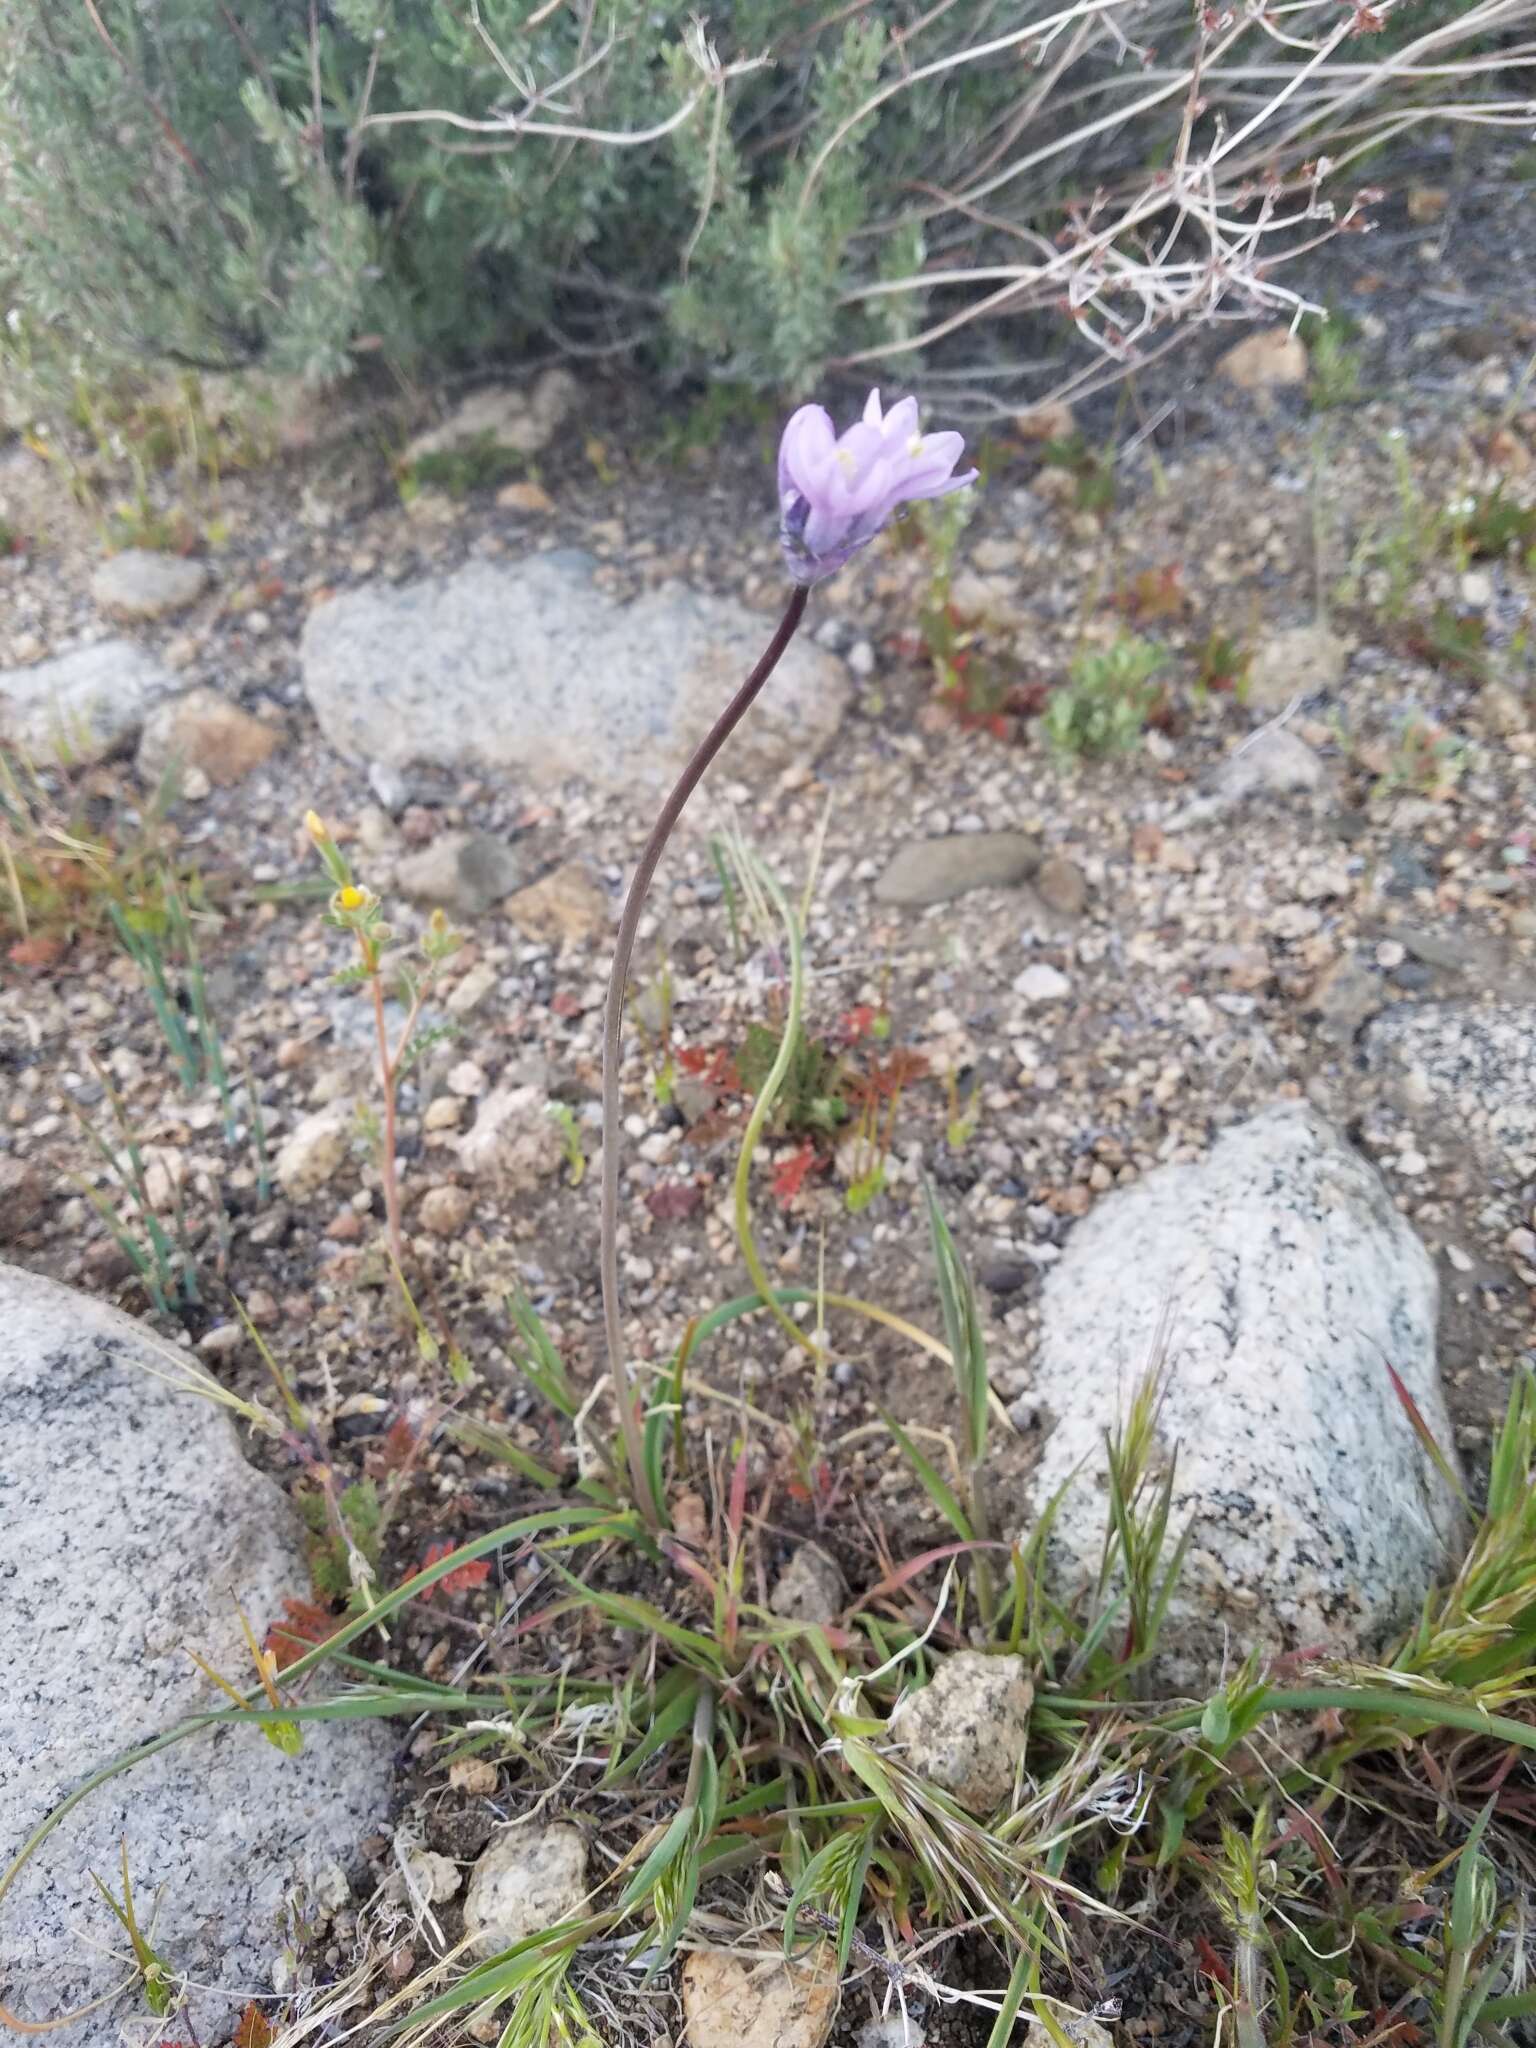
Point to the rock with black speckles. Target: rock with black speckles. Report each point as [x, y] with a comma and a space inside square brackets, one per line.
[1465, 1075]
[1277, 1282]
[529, 666]
[130, 1525]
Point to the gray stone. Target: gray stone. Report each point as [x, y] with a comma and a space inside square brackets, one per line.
[967, 1728]
[1273, 763]
[1465, 1075]
[530, 1878]
[1444, 951]
[83, 706]
[130, 1525]
[1296, 663]
[1041, 983]
[503, 416]
[1345, 995]
[1275, 1282]
[810, 1587]
[937, 870]
[141, 583]
[1062, 886]
[528, 667]
[463, 873]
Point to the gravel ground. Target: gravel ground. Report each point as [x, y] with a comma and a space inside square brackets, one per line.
[1176, 955]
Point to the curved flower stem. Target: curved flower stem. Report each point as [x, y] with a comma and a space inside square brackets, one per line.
[613, 1024]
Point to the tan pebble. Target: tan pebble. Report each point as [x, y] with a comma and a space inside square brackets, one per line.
[444, 1211]
[1268, 360]
[476, 1775]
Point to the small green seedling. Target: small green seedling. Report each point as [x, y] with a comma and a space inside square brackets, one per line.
[283, 1734]
[1109, 695]
[159, 1990]
[570, 1132]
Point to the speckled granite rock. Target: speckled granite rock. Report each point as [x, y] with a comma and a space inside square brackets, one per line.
[1465, 1075]
[529, 666]
[1289, 1281]
[82, 706]
[129, 1525]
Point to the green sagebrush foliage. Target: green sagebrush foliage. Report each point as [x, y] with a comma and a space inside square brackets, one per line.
[186, 182]
[214, 184]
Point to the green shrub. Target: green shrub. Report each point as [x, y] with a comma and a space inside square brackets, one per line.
[1109, 694]
[186, 182]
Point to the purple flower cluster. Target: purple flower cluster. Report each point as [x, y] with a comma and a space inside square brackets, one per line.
[836, 491]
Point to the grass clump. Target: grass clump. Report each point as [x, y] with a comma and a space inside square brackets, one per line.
[1324, 1847]
[1335, 361]
[478, 464]
[73, 864]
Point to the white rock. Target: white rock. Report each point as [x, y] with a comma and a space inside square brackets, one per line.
[745, 2001]
[528, 666]
[132, 1525]
[1282, 1281]
[967, 1728]
[1080, 2028]
[141, 583]
[1042, 983]
[434, 1878]
[1273, 763]
[530, 1878]
[514, 1141]
[314, 1150]
[1465, 1074]
[83, 706]
[894, 2029]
